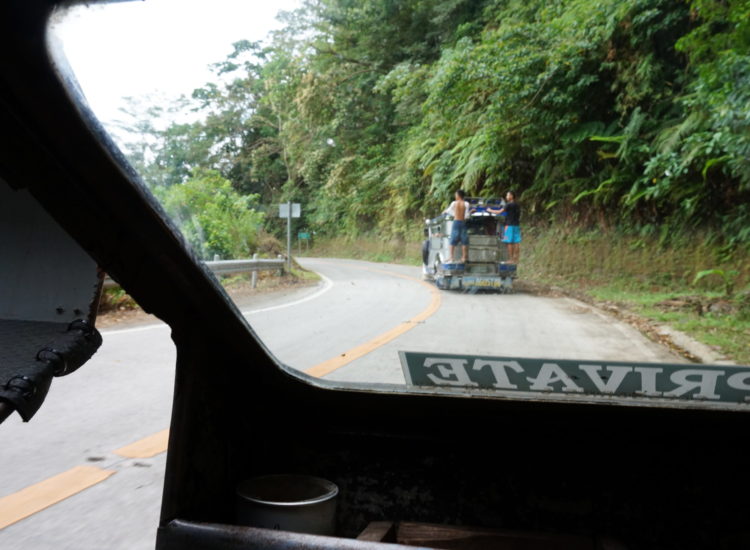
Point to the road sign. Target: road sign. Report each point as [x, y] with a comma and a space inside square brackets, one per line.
[284, 210]
[289, 210]
[303, 236]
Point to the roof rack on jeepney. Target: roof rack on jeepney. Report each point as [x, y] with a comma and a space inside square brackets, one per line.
[479, 207]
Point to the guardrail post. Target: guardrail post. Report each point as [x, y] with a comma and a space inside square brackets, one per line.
[254, 275]
[281, 269]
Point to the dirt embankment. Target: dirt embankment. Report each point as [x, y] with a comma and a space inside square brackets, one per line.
[124, 311]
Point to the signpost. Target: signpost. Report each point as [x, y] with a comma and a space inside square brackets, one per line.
[637, 384]
[289, 210]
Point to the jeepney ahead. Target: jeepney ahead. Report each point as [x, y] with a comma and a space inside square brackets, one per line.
[487, 267]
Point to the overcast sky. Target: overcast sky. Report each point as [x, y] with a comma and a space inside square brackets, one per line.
[157, 47]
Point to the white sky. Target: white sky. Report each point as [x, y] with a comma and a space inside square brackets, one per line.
[157, 47]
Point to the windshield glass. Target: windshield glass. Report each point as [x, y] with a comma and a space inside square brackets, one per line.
[525, 202]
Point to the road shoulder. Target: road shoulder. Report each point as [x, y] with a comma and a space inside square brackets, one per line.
[675, 340]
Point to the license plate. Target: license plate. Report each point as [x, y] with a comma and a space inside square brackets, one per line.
[483, 283]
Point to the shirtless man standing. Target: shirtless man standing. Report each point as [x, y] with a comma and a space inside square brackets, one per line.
[459, 209]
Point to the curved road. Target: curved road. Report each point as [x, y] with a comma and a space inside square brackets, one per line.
[86, 472]
[363, 303]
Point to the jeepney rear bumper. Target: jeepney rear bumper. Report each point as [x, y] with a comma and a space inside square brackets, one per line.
[465, 282]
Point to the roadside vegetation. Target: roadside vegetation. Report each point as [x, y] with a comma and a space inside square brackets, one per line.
[621, 124]
[685, 283]
[371, 248]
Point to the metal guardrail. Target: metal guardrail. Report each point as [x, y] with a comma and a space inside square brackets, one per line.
[231, 267]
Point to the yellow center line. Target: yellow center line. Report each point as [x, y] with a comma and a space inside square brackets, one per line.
[327, 367]
[146, 447]
[44, 494]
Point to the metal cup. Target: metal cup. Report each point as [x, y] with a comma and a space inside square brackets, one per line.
[298, 503]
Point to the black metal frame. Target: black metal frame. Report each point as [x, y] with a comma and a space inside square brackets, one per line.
[654, 478]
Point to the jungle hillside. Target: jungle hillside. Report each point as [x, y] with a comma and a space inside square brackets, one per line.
[623, 126]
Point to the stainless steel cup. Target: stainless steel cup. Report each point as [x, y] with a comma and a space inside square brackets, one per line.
[299, 503]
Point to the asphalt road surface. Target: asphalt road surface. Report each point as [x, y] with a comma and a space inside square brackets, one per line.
[86, 472]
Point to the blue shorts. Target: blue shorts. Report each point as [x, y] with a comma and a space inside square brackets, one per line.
[512, 234]
[459, 233]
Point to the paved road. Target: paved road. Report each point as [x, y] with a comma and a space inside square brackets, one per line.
[347, 329]
[509, 325]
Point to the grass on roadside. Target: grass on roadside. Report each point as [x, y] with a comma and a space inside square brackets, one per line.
[691, 285]
[706, 316]
[269, 280]
[371, 248]
[116, 299]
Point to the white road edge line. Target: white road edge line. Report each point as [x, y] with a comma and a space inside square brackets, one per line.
[327, 285]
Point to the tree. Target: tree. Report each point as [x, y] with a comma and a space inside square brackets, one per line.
[214, 217]
[618, 112]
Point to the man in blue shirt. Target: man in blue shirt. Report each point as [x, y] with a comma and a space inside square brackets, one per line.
[512, 230]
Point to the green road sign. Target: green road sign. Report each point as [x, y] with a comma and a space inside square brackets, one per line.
[655, 384]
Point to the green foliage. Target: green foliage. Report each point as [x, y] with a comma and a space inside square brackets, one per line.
[116, 299]
[214, 218]
[615, 113]
[728, 277]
